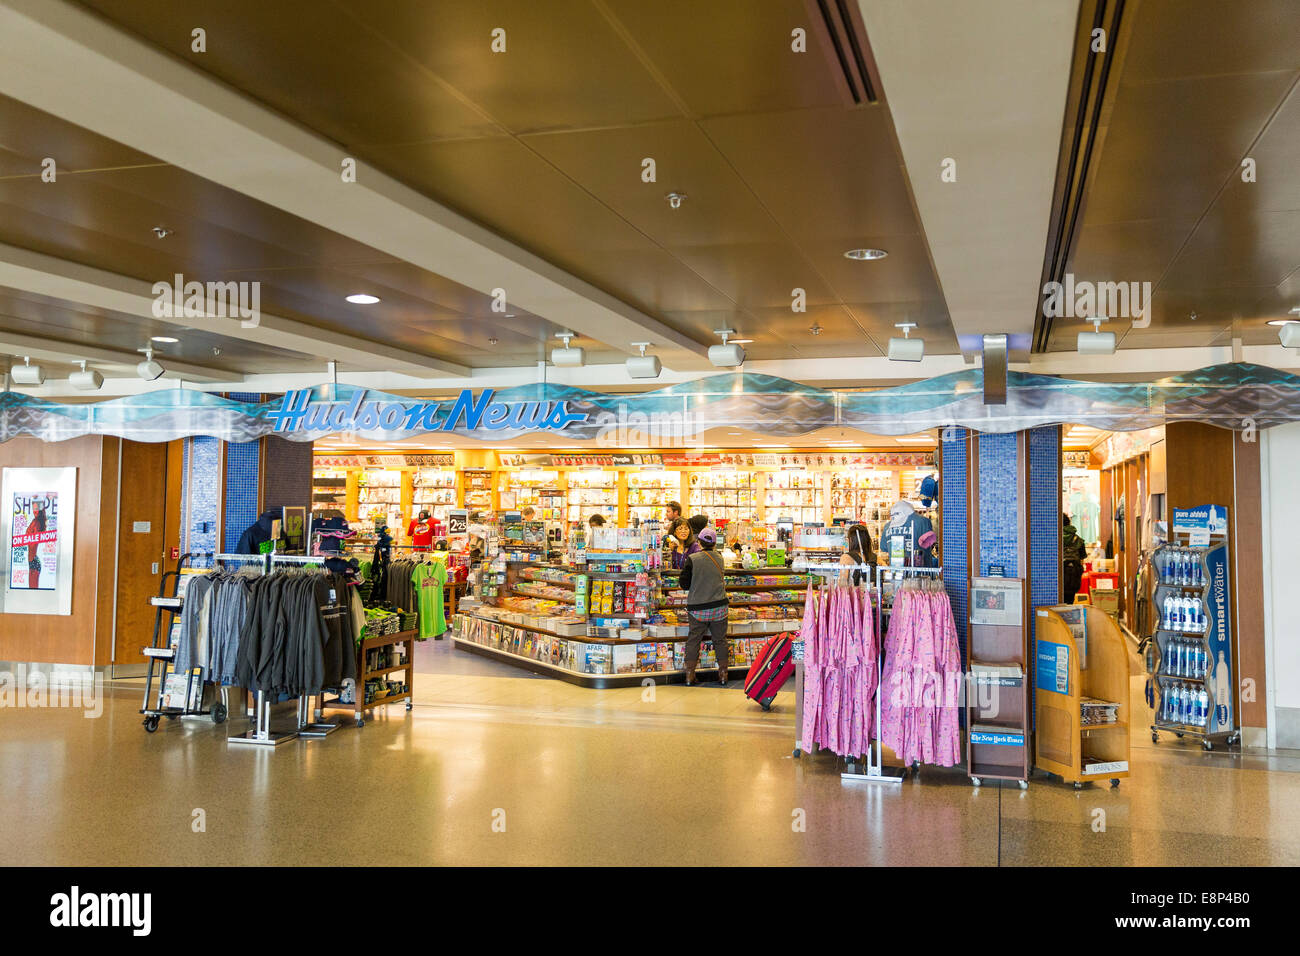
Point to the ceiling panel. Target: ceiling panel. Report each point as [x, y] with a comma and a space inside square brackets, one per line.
[731, 56]
[317, 59]
[1210, 37]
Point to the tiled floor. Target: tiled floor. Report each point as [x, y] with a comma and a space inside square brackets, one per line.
[496, 766]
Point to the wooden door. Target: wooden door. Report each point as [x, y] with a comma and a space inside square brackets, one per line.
[141, 551]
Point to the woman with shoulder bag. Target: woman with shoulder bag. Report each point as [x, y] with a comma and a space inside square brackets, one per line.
[706, 605]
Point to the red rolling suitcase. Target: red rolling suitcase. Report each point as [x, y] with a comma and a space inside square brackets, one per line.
[770, 670]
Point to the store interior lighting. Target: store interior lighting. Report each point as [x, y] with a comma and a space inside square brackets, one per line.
[149, 370]
[27, 373]
[1289, 335]
[568, 357]
[1096, 342]
[726, 355]
[87, 379]
[643, 366]
[906, 349]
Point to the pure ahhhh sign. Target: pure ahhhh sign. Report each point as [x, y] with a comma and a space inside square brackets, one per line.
[297, 412]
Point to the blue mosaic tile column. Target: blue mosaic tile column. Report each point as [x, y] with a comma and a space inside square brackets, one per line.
[242, 482]
[1044, 446]
[999, 504]
[956, 527]
[200, 502]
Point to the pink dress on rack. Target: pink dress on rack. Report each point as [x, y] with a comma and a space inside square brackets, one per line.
[922, 680]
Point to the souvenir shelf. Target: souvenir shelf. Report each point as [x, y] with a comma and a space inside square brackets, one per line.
[537, 489]
[478, 490]
[863, 497]
[725, 496]
[433, 490]
[649, 491]
[1082, 681]
[797, 495]
[592, 492]
[379, 495]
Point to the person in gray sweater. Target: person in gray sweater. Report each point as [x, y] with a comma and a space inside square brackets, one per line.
[706, 605]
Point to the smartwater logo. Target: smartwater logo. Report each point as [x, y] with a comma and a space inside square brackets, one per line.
[1083, 300]
[210, 300]
[76, 909]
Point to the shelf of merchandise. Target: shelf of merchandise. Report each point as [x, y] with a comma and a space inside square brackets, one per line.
[478, 490]
[864, 497]
[434, 490]
[724, 495]
[517, 490]
[361, 705]
[1091, 660]
[649, 491]
[379, 492]
[799, 495]
[1193, 650]
[591, 492]
[329, 490]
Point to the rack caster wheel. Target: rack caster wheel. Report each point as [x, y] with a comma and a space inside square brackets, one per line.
[976, 781]
[408, 705]
[151, 723]
[797, 753]
[1155, 737]
[1207, 744]
[219, 713]
[1114, 783]
[1078, 785]
[1024, 784]
[361, 722]
[1178, 734]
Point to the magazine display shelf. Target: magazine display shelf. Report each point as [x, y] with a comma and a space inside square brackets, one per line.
[1081, 664]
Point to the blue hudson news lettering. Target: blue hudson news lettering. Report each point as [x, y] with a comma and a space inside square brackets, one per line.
[297, 412]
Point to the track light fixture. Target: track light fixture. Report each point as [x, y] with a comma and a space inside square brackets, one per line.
[149, 370]
[906, 349]
[87, 379]
[724, 355]
[1096, 342]
[567, 357]
[643, 366]
[27, 373]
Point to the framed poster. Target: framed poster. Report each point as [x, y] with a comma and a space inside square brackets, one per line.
[38, 507]
[995, 601]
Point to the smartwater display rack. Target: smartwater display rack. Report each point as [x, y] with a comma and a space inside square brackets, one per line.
[1192, 666]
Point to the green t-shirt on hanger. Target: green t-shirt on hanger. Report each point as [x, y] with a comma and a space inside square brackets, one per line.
[428, 580]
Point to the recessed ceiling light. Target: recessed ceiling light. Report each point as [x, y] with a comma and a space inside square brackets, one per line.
[865, 254]
[163, 339]
[362, 298]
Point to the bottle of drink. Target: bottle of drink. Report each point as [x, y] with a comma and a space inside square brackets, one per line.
[1222, 692]
[1167, 617]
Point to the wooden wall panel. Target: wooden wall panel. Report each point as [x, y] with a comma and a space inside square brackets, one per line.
[55, 638]
[105, 565]
[1248, 576]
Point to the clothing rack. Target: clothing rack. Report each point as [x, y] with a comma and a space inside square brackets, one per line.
[871, 765]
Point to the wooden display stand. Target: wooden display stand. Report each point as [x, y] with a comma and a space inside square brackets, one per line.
[361, 705]
[1069, 669]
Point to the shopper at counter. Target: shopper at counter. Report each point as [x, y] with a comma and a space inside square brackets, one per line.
[529, 514]
[706, 605]
[596, 521]
[682, 542]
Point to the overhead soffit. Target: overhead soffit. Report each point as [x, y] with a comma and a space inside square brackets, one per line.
[108, 198]
[781, 176]
[1203, 86]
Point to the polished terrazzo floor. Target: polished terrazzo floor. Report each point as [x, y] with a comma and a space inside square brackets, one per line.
[495, 766]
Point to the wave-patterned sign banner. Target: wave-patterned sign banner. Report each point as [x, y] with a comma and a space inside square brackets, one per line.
[1236, 396]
